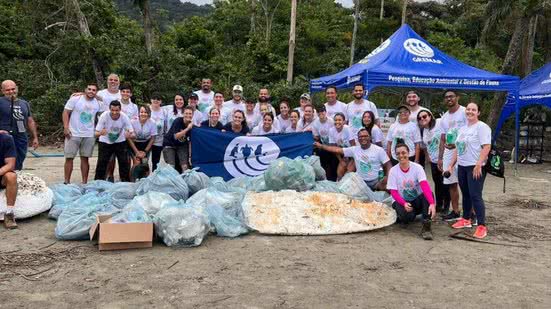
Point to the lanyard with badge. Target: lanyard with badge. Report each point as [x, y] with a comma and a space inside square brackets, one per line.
[20, 124]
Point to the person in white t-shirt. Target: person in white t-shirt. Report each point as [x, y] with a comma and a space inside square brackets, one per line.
[206, 97]
[412, 102]
[320, 129]
[450, 123]
[294, 117]
[145, 132]
[356, 109]
[127, 107]
[403, 131]
[113, 129]
[266, 127]
[159, 116]
[333, 106]
[411, 192]
[307, 120]
[225, 113]
[284, 113]
[473, 145]
[175, 110]
[111, 93]
[368, 122]
[236, 103]
[78, 127]
[192, 102]
[253, 118]
[340, 135]
[369, 159]
[431, 139]
[305, 100]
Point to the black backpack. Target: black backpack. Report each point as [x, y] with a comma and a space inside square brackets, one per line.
[495, 165]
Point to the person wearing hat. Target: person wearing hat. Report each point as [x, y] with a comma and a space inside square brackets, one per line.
[193, 102]
[356, 109]
[304, 101]
[237, 102]
[406, 132]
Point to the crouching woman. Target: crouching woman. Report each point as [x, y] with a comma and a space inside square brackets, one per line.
[408, 186]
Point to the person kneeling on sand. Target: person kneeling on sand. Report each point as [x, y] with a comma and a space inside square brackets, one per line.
[408, 186]
[8, 178]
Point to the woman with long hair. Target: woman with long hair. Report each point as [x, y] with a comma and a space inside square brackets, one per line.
[158, 115]
[175, 110]
[283, 117]
[267, 125]
[305, 123]
[214, 120]
[368, 122]
[177, 141]
[145, 131]
[238, 124]
[294, 117]
[341, 136]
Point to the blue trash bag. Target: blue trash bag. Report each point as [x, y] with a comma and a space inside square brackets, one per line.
[327, 186]
[195, 180]
[122, 193]
[165, 179]
[182, 226]
[75, 220]
[287, 174]
[225, 224]
[130, 214]
[97, 186]
[354, 186]
[229, 200]
[64, 194]
[315, 163]
[152, 202]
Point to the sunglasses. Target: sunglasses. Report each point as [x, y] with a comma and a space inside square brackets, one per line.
[423, 117]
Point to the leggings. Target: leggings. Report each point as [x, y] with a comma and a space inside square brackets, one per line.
[155, 156]
[472, 193]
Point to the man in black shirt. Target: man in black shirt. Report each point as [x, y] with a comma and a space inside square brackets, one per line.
[8, 178]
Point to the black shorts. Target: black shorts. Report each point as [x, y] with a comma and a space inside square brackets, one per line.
[1, 184]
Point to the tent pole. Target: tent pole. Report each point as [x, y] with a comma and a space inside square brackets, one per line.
[517, 132]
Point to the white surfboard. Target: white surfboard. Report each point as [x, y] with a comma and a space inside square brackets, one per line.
[313, 213]
[33, 197]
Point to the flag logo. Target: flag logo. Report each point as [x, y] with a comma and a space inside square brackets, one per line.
[249, 155]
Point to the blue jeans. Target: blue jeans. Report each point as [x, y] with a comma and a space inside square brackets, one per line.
[21, 142]
[472, 193]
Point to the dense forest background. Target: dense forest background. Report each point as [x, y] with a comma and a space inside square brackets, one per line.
[52, 48]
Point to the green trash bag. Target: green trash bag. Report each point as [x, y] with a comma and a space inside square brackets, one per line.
[287, 174]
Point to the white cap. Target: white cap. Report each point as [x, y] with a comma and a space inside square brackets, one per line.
[238, 88]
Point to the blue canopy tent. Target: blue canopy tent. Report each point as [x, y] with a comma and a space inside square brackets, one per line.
[535, 89]
[405, 59]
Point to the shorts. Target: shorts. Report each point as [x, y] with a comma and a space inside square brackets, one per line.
[448, 155]
[372, 183]
[170, 153]
[82, 145]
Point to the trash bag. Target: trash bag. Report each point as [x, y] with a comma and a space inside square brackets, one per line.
[287, 174]
[354, 186]
[90, 199]
[132, 213]
[64, 194]
[122, 193]
[230, 200]
[182, 226]
[75, 220]
[255, 184]
[152, 202]
[195, 180]
[327, 186]
[97, 186]
[315, 163]
[225, 224]
[219, 184]
[167, 180]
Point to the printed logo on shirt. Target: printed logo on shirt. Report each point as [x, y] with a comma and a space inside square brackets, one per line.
[114, 134]
[461, 147]
[365, 168]
[85, 118]
[434, 144]
[409, 192]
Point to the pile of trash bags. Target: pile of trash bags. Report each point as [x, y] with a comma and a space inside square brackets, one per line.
[186, 208]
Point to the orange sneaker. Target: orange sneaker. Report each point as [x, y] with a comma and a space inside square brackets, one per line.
[480, 232]
[462, 223]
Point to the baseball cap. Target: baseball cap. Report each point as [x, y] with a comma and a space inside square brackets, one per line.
[320, 109]
[305, 96]
[237, 88]
[193, 96]
[401, 107]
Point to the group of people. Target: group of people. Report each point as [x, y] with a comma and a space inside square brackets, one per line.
[347, 138]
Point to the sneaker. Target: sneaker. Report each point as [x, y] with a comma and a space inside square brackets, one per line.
[462, 223]
[452, 216]
[426, 232]
[9, 221]
[480, 232]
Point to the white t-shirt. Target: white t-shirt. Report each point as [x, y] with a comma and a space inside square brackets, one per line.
[301, 112]
[354, 113]
[159, 118]
[469, 142]
[170, 117]
[225, 115]
[301, 126]
[206, 100]
[290, 129]
[342, 138]
[322, 129]
[252, 119]
[406, 183]
[107, 97]
[130, 109]
[115, 128]
[409, 132]
[83, 112]
[283, 123]
[232, 106]
[338, 107]
[450, 124]
[144, 132]
[368, 161]
[431, 139]
[377, 135]
[197, 118]
[259, 130]
[413, 115]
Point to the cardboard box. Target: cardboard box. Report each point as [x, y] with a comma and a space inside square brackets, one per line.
[117, 236]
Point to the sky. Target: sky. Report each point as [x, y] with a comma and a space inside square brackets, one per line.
[345, 3]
